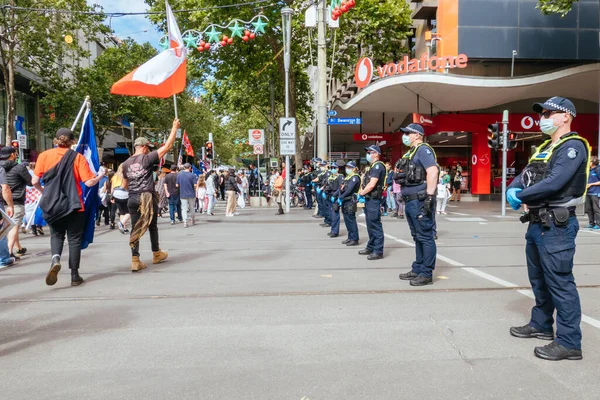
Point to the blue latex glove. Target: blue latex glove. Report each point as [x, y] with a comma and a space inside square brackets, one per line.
[318, 190]
[340, 202]
[513, 200]
[332, 199]
[361, 199]
[323, 195]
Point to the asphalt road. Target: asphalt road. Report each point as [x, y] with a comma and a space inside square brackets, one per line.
[268, 307]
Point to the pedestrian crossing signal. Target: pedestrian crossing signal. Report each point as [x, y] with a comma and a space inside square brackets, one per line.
[209, 150]
[512, 141]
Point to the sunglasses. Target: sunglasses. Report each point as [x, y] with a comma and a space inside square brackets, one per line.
[548, 113]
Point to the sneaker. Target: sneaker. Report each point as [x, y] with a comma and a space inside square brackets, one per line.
[596, 227]
[444, 212]
[185, 225]
[385, 214]
[125, 231]
[589, 226]
[52, 276]
[121, 227]
[211, 214]
[237, 213]
[15, 257]
[172, 222]
[362, 215]
[528, 332]
[21, 251]
[11, 261]
[557, 352]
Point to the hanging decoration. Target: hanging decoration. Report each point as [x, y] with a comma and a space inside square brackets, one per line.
[339, 7]
[215, 36]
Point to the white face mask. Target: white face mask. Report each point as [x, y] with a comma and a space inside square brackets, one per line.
[547, 125]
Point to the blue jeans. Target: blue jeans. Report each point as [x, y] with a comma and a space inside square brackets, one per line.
[550, 252]
[175, 204]
[422, 231]
[4, 253]
[374, 226]
[391, 203]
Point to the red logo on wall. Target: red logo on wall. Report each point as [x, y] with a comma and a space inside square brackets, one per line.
[363, 73]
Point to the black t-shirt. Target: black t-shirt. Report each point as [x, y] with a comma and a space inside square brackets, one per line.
[139, 172]
[171, 182]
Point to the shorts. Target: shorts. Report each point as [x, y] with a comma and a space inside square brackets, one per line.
[121, 206]
[456, 185]
[19, 213]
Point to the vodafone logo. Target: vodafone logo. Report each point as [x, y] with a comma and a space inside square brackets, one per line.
[363, 72]
[424, 120]
[527, 122]
[365, 137]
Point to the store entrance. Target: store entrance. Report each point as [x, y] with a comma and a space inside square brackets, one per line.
[453, 151]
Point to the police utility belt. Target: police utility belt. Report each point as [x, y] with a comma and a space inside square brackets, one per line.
[422, 195]
[544, 216]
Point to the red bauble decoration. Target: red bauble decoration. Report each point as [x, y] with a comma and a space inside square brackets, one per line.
[206, 46]
[252, 35]
[352, 3]
[334, 17]
[229, 41]
[225, 37]
[245, 38]
[200, 49]
[223, 43]
[344, 9]
[246, 33]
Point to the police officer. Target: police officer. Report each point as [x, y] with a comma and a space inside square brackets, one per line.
[372, 191]
[418, 176]
[324, 208]
[308, 177]
[317, 185]
[331, 188]
[347, 200]
[551, 185]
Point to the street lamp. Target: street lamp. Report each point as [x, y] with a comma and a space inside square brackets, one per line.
[286, 16]
[512, 68]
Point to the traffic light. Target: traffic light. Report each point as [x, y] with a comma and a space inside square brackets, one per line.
[512, 141]
[494, 141]
[209, 150]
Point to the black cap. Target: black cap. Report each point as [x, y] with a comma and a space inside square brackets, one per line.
[65, 132]
[556, 104]
[6, 151]
[413, 128]
[373, 148]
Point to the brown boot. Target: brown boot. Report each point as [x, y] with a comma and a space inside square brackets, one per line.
[136, 264]
[159, 256]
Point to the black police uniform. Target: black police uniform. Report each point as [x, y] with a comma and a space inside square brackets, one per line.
[308, 190]
[331, 187]
[320, 176]
[347, 196]
[419, 212]
[325, 206]
[552, 184]
[373, 209]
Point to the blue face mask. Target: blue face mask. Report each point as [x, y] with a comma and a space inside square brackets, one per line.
[406, 140]
[547, 126]
[369, 158]
[349, 171]
[334, 170]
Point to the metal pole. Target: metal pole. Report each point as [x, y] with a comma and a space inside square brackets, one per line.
[286, 14]
[132, 130]
[272, 141]
[87, 98]
[512, 68]
[175, 104]
[322, 81]
[258, 183]
[504, 162]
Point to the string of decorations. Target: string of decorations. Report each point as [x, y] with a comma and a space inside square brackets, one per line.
[211, 38]
[339, 7]
[242, 142]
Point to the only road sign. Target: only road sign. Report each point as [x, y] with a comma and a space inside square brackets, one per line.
[287, 128]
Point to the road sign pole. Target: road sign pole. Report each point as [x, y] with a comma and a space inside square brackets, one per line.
[287, 36]
[258, 168]
[504, 161]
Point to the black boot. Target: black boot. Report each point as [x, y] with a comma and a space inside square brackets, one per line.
[76, 280]
[34, 230]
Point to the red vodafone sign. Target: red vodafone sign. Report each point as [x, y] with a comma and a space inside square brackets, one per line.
[365, 137]
[363, 73]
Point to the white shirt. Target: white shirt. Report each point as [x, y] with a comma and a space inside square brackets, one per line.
[210, 185]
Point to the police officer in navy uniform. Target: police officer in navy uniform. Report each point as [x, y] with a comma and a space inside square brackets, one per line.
[552, 185]
[325, 208]
[347, 201]
[332, 187]
[318, 182]
[418, 176]
[308, 177]
[372, 191]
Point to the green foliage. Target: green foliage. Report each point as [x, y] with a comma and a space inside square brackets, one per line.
[35, 41]
[561, 7]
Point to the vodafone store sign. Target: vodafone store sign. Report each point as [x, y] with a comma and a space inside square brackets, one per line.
[365, 137]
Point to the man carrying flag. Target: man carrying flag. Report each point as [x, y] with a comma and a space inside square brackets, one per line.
[62, 170]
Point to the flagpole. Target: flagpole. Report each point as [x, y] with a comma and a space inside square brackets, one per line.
[175, 103]
[83, 106]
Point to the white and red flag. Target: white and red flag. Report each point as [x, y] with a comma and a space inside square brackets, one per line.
[163, 75]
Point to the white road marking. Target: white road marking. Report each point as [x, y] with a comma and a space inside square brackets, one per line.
[457, 213]
[483, 223]
[588, 231]
[468, 219]
[525, 292]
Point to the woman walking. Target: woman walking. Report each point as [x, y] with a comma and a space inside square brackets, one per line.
[278, 192]
[211, 191]
[443, 193]
[120, 196]
[231, 189]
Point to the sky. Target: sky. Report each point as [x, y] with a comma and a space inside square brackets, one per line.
[137, 27]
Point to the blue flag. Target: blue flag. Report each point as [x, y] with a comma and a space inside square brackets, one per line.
[88, 148]
[196, 171]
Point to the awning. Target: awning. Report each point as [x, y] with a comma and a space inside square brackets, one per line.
[449, 92]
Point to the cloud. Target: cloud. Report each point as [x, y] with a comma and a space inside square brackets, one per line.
[138, 27]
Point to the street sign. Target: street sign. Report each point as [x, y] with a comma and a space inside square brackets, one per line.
[344, 121]
[287, 128]
[332, 113]
[274, 162]
[258, 149]
[287, 147]
[256, 136]
[22, 138]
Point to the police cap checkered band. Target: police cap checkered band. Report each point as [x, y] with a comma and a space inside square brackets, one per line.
[413, 128]
[556, 104]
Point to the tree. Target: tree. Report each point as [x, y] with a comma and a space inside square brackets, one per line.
[36, 41]
[237, 76]
[561, 7]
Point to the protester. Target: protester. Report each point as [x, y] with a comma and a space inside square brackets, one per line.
[278, 191]
[231, 189]
[163, 202]
[102, 205]
[119, 198]
[443, 193]
[17, 178]
[107, 197]
[172, 192]
[211, 191]
[7, 205]
[186, 183]
[201, 195]
[62, 203]
[397, 195]
[222, 185]
[143, 202]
